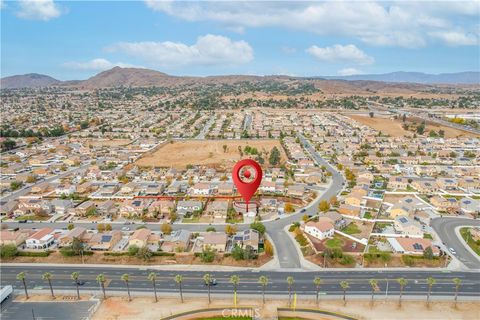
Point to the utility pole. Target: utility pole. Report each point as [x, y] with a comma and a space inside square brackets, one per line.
[386, 291]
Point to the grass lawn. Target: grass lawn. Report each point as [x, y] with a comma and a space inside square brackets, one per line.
[334, 243]
[352, 228]
[32, 217]
[191, 220]
[475, 245]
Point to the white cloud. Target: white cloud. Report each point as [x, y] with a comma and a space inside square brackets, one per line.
[456, 38]
[383, 23]
[208, 50]
[341, 54]
[348, 72]
[38, 10]
[98, 64]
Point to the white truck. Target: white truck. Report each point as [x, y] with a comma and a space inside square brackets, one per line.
[5, 292]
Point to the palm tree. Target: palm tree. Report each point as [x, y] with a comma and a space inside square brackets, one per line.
[125, 277]
[21, 276]
[430, 281]
[290, 282]
[264, 282]
[457, 283]
[207, 278]
[374, 285]
[317, 282]
[235, 280]
[48, 276]
[179, 281]
[101, 280]
[402, 282]
[152, 276]
[345, 285]
[75, 275]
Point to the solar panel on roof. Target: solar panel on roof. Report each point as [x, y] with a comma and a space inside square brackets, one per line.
[417, 246]
[403, 220]
[106, 238]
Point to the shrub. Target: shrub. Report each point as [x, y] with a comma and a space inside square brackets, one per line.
[260, 227]
[268, 248]
[408, 260]
[347, 260]
[163, 254]
[33, 254]
[301, 240]
[8, 251]
[133, 250]
[207, 255]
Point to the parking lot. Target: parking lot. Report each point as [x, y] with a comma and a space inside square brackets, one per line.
[75, 310]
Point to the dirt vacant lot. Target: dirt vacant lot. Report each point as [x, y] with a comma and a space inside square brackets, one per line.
[394, 127]
[108, 142]
[143, 308]
[179, 154]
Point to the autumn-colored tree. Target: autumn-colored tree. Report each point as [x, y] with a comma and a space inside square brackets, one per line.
[333, 201]
[323, 206]
[268, 248]
[289, 207]
[166, 228]
[230, 229]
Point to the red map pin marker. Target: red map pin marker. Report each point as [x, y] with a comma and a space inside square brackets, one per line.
[241, 178]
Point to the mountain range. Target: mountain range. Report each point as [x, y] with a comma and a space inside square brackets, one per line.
[136, 77]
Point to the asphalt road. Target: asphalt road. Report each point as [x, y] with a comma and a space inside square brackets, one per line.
[445, 228]
[60, 310]
[193, 280]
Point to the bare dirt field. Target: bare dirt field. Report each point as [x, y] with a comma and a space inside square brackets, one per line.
[394, 127]
[179, 154]
[143, 308]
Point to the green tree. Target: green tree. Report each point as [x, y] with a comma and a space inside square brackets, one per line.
[274, 158]
[345, 285]
[235, 280]
[21, 277]
[207, 279]
[152, 276]
[290, 282]
[125, 277]
[458, 283]
[258, 226]
[430, 281]
[374, 285]
[179, 281]
[428, 253]
[144, 253]
[133, 250]
[317, 282]
[101, 281]
[263, 280]
[70, 226]
[48, 276]
[402, 282]
[74, 276]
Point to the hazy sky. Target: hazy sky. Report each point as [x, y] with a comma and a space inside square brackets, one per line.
[75, 40]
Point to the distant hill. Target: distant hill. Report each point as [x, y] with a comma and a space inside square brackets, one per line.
[396, 82]
[31, 80]
[468, 77]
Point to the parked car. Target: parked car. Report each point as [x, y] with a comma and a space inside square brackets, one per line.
[452, 251]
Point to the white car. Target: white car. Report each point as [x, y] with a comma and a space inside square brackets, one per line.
[452, 250]
[125, 228]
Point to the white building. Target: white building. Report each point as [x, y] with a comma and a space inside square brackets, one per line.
[320, 230]
[42, 239]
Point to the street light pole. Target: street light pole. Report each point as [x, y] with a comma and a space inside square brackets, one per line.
[386, 291]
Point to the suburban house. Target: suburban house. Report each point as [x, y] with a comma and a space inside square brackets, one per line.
[320, 229]
[470, 206]
[42, 239]
[216, 241]
[408, 227]
[225, 188]
[411, 245]
[218, 209]
[245, 238]
[61, 206]
[177, 241]
[65, 189]
[105, 241]
[406, 206]
[85, 207]
[139, 238]
[200, 188]
[188, 206]
[334, 218]
[349, 210]
[397, 183]
[68, 237]
[15, 238]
